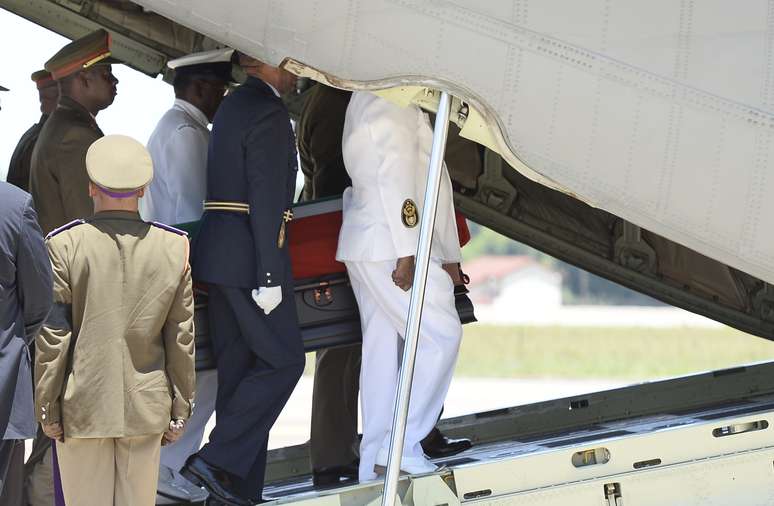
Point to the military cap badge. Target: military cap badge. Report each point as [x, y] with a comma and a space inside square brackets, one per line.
[409, 215]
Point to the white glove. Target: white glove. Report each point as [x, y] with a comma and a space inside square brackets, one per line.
[268, 297]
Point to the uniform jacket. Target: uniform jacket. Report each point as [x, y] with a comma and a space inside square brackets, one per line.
[116, 356]
[178, 147]
[387, 152]
[19, 168]
[252, 159]
[58, 180]
[319, 142]
[25, 300]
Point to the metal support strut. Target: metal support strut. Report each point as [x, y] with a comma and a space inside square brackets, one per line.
[426, 226]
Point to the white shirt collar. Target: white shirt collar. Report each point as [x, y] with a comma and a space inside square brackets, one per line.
[192, 111]
[273, 89]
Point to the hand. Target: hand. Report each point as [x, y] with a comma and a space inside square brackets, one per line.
[454, 271]
[54, 431]
[403, 275]
[268, 297]
[176, 429]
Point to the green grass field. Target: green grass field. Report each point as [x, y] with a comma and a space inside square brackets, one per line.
[598, 353]
[581, 352]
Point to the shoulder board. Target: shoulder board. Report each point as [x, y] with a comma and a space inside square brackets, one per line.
[67, 226]
[168, 228]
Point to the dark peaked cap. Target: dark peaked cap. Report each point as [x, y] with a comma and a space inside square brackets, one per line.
[42, 79]
[89, 50]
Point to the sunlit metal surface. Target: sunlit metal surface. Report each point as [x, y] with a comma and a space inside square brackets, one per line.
[659, 112]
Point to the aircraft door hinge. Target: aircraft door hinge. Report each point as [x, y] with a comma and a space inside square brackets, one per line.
[462, 114]
[634, 253]
[613, 496]
[495, 191]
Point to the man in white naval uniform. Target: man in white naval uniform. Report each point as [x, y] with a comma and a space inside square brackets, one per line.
[179, 143]
[386, 153]
[178, 147]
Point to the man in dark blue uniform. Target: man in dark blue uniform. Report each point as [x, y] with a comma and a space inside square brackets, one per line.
[241, 254]
[25, 300]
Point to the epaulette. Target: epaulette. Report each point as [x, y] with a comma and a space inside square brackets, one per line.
[64, 227]
[168, 228]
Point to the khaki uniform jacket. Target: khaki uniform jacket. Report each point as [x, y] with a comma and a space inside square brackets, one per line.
[59, 183]
[116, 356]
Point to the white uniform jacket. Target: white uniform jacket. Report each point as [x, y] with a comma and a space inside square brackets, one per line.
[386, 153]
[178, 147]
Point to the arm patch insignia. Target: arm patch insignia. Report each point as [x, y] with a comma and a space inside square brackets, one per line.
[409, 214]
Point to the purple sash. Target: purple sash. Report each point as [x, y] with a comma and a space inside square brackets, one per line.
[58, 494]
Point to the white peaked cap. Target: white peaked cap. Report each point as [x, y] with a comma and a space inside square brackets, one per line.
[222, 55]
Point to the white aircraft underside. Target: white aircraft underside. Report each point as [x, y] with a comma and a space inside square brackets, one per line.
[658, 111]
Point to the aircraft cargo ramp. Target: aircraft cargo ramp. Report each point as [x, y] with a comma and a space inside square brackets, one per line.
[695, 440]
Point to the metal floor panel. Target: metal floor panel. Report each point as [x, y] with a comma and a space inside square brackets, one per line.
[503, 450]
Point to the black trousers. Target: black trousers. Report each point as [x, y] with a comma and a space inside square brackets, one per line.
[259, 361]
[333, 438]
[11, 472]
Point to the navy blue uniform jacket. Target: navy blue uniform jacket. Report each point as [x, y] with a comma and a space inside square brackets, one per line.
[25, 299]
[252, 159]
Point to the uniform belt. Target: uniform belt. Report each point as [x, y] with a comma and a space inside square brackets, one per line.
[239, 207]
[224, 205]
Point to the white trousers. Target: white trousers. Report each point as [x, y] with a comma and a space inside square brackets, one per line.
[383, 314]
[175, 455]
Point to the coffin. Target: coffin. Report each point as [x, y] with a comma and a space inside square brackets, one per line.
[327, 311]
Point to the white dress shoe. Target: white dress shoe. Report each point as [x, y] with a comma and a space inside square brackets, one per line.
[408, 465]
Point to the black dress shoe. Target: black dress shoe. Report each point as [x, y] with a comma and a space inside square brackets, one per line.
[217, 502]
[436, 445]
[174, 489]
[216, 481]
[335, 475]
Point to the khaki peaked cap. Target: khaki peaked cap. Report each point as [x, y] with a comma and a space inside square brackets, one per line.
[119, 164]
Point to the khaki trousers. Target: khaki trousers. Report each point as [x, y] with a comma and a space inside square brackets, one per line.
[110, 471]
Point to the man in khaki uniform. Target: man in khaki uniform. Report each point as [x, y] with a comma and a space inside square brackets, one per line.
[58, 180]
[115, 361]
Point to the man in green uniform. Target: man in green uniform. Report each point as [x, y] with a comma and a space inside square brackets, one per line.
[19, 168]
[114, 366]
[58, 180]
